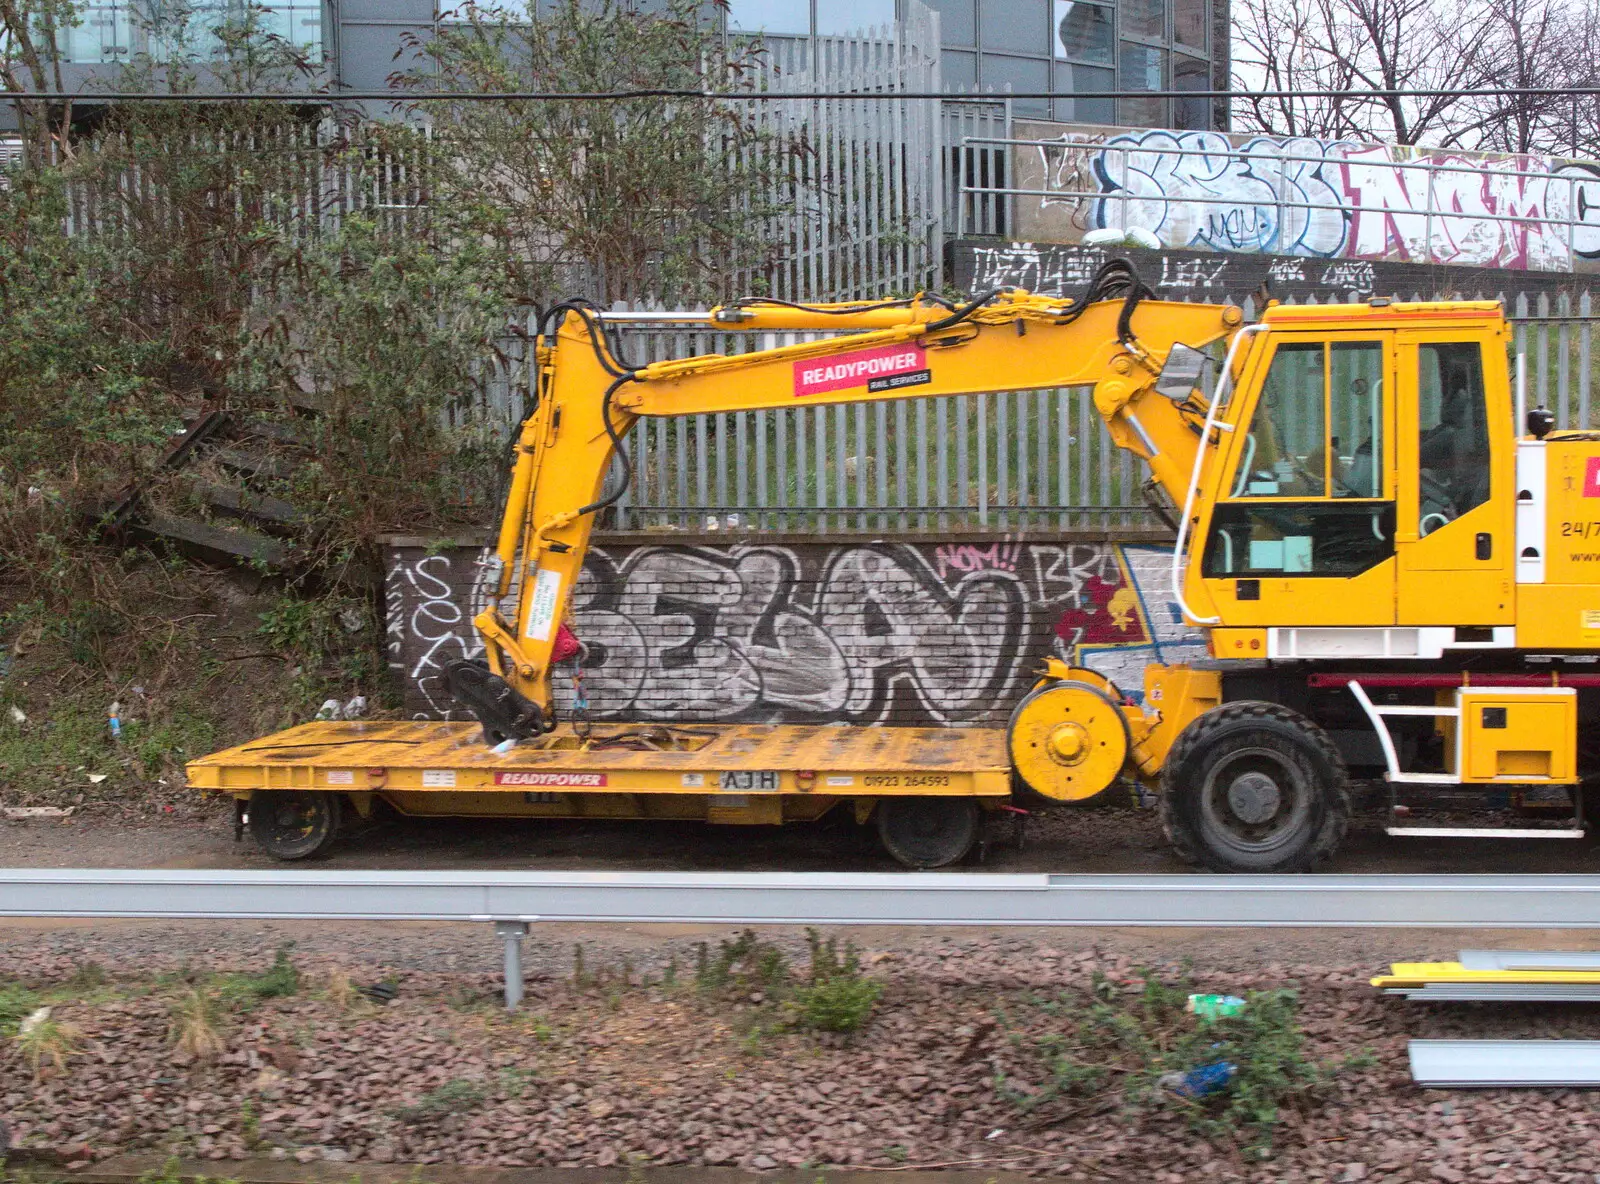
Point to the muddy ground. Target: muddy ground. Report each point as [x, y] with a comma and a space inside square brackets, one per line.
[1095, 840]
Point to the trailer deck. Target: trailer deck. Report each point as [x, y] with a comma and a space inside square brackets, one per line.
[750, 773]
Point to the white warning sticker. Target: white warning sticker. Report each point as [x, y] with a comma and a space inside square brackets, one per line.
[341, 777]
[542, 604]
[439, 778]
[693, 781]
[839, 782]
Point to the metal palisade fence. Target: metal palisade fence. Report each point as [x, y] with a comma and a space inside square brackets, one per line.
[1019, 460]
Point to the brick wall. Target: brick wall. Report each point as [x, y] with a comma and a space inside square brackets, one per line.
[811, 632]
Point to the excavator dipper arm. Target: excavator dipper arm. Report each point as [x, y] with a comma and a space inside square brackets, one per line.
[1113, 339]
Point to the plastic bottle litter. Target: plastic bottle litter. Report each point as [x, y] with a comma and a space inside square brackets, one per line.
[330, 709]
[1200, 1082]
[1214, 1007]
[505, 746]
[114, 720]
[356, 707]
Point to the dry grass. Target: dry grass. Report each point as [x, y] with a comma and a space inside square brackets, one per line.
[47, 1044]
[341, 992]
[196, 1027]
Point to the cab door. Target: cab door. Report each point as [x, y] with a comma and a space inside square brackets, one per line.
[1302, 531]
[1455, 536]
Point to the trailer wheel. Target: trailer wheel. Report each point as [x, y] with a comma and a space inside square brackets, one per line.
[928, 832]
[293, 824]
[1254, 787]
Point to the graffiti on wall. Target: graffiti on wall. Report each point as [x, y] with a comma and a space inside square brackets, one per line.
[1322, 199]
[852, 633]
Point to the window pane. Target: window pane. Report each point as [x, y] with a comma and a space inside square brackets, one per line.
[1299, 538]
[1355, 416]
[1454, 443]
[957, 24]
[1144, 18]
[1020, 74]
[851, 16]
[1283, 454]
[1191, 74]
[1076, 78]
[770, 16]
[1083, 32]
[105, 34]
[1014, 24]
[1189, 18]
[1143, 68]
[958, 70]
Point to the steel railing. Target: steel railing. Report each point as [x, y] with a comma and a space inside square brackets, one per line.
[513, 901]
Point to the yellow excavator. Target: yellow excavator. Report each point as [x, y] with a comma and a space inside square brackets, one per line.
[1392, 583]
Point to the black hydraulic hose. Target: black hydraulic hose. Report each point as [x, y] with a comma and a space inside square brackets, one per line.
[962, 313]
[616, 442]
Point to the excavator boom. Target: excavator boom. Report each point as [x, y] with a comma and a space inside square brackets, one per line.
[1115, 339]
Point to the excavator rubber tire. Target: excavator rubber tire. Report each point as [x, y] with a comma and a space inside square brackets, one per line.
[290, 824]
[1261, 740]
[928, 832]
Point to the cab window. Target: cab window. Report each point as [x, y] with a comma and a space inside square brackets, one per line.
[1307, 496]
[1453, 441]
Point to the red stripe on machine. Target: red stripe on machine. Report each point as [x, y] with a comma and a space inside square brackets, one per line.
[818, 375]
[573, 780]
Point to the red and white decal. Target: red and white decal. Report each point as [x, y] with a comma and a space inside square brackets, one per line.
[863, 367]
[571, 780]
[1591, 477]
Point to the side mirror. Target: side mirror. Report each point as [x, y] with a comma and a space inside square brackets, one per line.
[1185, 369]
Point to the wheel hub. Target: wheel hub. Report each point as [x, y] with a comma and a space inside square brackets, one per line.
[1254, 798]
[1069, 743]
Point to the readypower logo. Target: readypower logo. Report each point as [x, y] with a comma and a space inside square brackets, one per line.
[888, 367]
[545, 780]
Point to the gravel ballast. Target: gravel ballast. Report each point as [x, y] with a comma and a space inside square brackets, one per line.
[609, 1071]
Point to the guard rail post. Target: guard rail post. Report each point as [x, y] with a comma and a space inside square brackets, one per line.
[512, 933]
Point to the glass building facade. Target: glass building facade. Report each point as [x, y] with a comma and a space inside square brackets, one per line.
[1059, 47]
[116, 30]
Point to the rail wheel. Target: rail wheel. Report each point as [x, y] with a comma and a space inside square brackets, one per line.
[928, 832]
[293, 824]
[1068, 741]
[1254, 787]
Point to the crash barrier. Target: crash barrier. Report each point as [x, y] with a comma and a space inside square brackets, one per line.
[514, 901]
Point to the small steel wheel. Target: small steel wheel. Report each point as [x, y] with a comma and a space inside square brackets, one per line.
[1068, 742]
[928, 832]
[293, 824]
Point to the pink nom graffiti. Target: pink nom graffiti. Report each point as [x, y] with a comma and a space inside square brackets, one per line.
[969, 557]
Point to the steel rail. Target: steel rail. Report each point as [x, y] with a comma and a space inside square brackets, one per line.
[513, 901]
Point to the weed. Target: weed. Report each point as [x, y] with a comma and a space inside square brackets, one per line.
[278, 981]
[669, 976]
[47, 1045]
[1137, 1040]
[16, 1003]
[838, 998]
[896, 1152]
[88, 976]
[514, 1082]
[249, 1123]
[580, 975]
[196, 1026]
[170, 1172]
[452, 1097]
[746, 962]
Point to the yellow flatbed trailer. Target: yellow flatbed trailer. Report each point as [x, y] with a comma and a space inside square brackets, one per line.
[748, 774]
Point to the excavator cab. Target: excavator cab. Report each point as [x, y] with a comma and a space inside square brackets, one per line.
[1356, 469]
